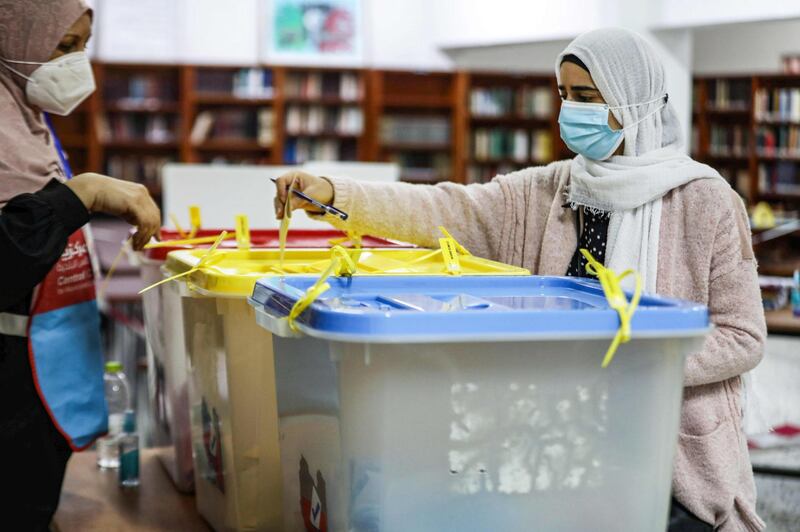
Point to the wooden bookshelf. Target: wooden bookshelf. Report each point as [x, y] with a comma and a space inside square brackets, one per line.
[415, 119]
[137, 120]
[755, 170]
[323, 114]
[229, 114]
[722, 128]
[144, 115]
[751, 167]
[201, 98]
[513, 123]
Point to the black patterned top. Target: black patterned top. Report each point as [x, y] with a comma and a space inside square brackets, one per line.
[594, 238]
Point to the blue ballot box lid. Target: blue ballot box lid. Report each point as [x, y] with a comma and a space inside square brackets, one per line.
[457, 309]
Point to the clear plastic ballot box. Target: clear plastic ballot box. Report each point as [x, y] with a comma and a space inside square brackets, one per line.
[166, 358]
[476, 403]
[230, 367]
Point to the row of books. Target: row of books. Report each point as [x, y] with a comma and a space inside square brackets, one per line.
[149, 90]
[154, 128]
[140, 169]
[305, 120]
[323, 84]
[780, 105]
[535, 102]
[526, 102]
[781, 177]
[726, 141]
[234, 124]
[415, 129]
[300, 150]
[729, 95]
[242, 83]
[485, 173]
[778, 141]
[517, 144]
[423, 167]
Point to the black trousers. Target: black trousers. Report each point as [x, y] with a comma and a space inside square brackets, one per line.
[682, 520]
[33, 454]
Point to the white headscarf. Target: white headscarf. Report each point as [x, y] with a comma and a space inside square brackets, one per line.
[626, 70]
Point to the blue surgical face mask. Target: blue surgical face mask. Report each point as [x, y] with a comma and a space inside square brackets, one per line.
[585, 130]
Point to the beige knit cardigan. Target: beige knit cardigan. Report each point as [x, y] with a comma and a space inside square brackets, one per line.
[705, 255]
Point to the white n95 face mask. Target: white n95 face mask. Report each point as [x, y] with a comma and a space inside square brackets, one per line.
[60, 85]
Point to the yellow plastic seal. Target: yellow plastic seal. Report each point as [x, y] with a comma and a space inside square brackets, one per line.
[208, 259]
[450, 255]
[195, 221]
[242, 232]
[178, 227]
[461, 249]
[101, 292]
[615, 296]
[353, 239]
[341, 264]
[283, 232]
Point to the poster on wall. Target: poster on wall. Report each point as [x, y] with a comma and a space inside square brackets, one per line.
[314, 31]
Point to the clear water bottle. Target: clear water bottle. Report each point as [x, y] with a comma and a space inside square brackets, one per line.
[118, 399]
[128, 443]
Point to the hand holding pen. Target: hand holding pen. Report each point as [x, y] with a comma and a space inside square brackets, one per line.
[309, 192]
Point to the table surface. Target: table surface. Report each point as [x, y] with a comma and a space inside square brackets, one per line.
[782, 322]
[91, 500]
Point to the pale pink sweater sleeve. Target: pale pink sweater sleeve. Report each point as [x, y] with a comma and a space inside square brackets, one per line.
[734, 301]
[475, 215]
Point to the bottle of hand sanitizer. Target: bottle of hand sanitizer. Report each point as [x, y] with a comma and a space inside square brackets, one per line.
[796, 294]
[129, 452]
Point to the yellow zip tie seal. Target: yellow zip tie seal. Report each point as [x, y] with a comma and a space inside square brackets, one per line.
[317, 289]
[341, 264]
[352, 238]
[209, 259]
[355, 239]
[461, 249]
[615, 296]
[450, 255]
[178, 227]
[451, 249]
[101, 292]
[283, 231]
[242, 232]
[195, 221]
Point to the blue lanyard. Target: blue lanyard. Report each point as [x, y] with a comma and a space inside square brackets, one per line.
[61, 155]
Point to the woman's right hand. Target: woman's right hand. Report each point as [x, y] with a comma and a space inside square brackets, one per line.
[316, 187]
[129, 201]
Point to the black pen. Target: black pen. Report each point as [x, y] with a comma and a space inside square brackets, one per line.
[330, 209]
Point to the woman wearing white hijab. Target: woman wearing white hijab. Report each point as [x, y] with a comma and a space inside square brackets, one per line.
[636, 201]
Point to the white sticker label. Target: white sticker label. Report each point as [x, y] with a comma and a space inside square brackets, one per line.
[316, 508]
[115, 422]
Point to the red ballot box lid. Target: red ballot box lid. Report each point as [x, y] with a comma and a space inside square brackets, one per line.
[269, 238]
